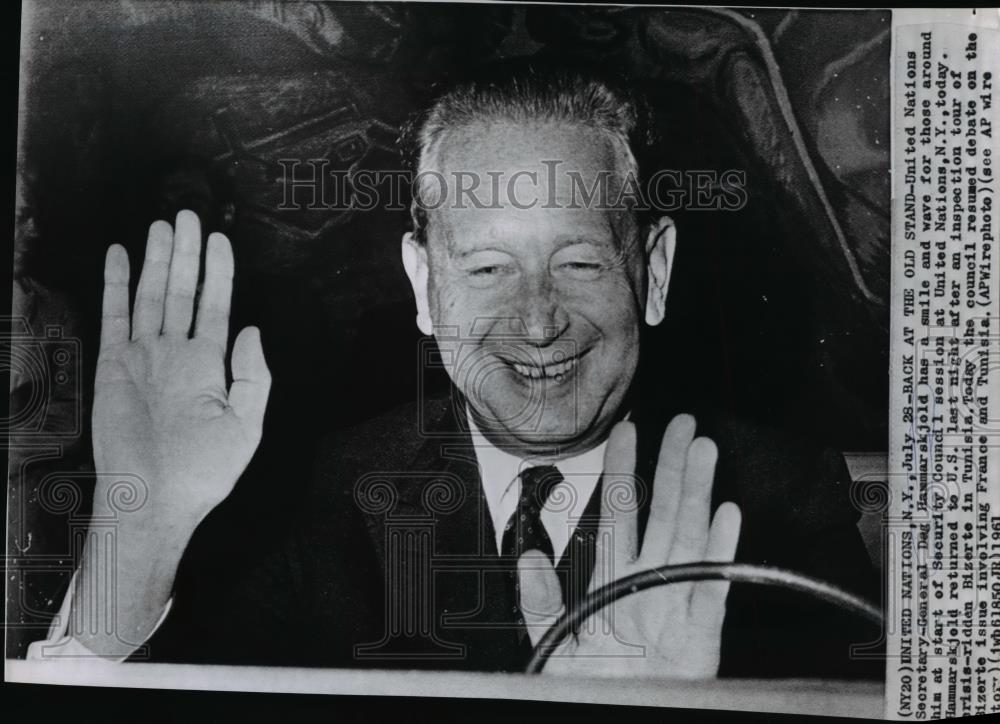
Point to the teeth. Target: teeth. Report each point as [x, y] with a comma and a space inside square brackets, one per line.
[556, 370]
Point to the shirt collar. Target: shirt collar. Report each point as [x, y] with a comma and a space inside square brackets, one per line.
[499, 471]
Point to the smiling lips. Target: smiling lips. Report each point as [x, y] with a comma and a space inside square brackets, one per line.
[555, 371]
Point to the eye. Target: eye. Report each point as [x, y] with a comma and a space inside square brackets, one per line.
[486, 268]
[580, 261]
[580, 270]
[485, 271]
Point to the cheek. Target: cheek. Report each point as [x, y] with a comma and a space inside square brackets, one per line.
[609, 304]
[444, 300]
[452, 303]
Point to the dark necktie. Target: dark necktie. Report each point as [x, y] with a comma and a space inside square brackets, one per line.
[524, 530]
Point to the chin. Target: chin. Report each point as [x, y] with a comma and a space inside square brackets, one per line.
[535, 424]
[548, 436]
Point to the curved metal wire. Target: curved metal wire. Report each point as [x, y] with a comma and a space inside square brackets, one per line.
[663, 575]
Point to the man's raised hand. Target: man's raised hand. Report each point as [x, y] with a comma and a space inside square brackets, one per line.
[161, 408]
[671, 631]
[162, 419]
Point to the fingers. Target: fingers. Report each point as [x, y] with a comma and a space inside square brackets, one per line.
[708, 599]
[213, 307]
[725, 534]
[616, 546]
[251, 378]
[182, 280]
[693, 511]
[667, 486]
[541, 599]
[149, 298]
[164, 300]
[114, 310]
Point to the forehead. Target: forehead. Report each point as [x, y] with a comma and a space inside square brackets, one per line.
[522, 145]
[531, 182]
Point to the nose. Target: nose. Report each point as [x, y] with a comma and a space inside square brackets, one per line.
[541, 315]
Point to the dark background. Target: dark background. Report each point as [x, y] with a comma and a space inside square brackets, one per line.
[130, 111]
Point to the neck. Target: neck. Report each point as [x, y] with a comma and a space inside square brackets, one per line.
[545, 452]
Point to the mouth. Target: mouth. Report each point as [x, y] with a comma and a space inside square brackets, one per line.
[555, 371]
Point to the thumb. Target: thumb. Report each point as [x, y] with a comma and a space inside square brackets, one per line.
[251, 378]
[541, 598]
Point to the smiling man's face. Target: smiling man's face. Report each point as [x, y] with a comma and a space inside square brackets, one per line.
[535, 301]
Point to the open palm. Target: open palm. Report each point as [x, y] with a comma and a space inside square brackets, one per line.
[669, 631]
[162, 412]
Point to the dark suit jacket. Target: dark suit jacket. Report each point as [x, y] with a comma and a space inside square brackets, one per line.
[392, 560]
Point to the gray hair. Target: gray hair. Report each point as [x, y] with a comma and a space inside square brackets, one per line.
[524, 93]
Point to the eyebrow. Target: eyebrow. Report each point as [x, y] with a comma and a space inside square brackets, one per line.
[470, 252]
[573, 240]
[560, 245]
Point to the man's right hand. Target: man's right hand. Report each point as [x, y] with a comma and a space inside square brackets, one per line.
[161, 408]
[163, 419]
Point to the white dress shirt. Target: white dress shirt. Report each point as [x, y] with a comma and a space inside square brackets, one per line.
[500, 472]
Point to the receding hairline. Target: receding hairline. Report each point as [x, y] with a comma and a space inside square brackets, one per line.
[469, 133]
[528, 97]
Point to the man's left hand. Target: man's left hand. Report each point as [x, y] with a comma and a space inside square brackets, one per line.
[670, 631]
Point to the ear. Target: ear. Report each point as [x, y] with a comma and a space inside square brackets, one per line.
[660, 246]
[415, 263]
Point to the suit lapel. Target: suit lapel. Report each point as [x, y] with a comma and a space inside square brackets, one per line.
[576, 566]
[438, 552]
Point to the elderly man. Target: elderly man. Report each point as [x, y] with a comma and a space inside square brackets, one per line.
[452, 532]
